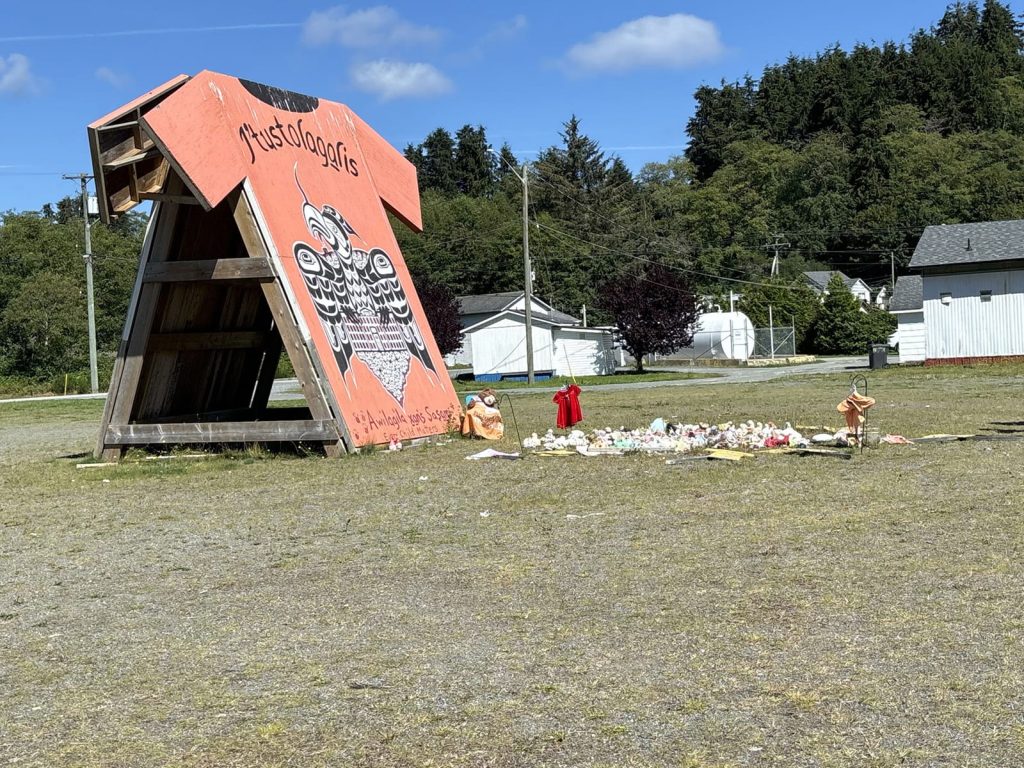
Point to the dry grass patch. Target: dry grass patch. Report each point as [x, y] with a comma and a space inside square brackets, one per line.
[254, 610]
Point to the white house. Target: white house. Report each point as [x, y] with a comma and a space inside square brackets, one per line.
[908, 306]
[494, 339]
[972, 291]
[473, 310]
[818, 282]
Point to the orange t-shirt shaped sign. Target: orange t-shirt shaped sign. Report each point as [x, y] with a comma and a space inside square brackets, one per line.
[321, 179]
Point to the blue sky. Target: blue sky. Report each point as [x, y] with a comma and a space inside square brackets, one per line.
[627, 70]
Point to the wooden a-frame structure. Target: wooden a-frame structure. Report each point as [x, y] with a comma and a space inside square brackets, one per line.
[210, 314]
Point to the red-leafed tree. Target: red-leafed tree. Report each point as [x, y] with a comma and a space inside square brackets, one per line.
[654, 309]
[442, 310]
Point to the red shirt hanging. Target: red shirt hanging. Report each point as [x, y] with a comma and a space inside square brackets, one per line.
[569, 411]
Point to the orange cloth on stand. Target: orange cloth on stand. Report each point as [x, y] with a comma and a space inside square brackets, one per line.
[853, 408]
[482, 420]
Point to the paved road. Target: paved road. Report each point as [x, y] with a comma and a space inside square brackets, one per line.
[288, 389]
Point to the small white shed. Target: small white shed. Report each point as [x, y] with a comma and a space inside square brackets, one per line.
[476, 311]
[497, 347]
[584, 351]
[908, 305]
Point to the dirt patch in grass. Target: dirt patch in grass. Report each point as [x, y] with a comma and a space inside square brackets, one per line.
[414, 608]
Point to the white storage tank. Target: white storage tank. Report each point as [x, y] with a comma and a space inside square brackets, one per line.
[721, 336]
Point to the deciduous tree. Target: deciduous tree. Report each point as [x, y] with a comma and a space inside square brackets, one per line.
[654, 310]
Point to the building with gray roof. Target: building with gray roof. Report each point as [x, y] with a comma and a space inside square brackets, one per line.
[971, 291]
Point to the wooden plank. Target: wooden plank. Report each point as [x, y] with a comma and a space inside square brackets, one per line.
[198, 340]
[124, 388]
[133, 156]
[208, 269]
[160, 197]
[310, 430]
[287, 326]
[265, 376]
[152, 182]
[108, 406]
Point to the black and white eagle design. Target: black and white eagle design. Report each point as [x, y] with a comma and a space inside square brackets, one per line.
[360, 301]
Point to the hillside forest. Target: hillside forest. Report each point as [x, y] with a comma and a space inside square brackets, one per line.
[845, 156]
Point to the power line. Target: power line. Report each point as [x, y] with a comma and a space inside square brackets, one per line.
[675, 267]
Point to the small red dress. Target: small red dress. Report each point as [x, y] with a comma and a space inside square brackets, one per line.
[569, 411]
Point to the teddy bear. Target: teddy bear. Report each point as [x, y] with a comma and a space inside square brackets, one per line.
[483, 419]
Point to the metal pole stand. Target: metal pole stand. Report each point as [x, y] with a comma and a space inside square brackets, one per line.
[859, 384]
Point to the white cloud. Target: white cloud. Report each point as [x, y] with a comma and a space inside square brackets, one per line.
[650, 42]
[509, 28]
[116, 79]
[399, 79]
[16, 78]
[369, 28]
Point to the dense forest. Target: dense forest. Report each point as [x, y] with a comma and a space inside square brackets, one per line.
[844, 156]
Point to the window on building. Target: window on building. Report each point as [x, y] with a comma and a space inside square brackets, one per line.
[946, 298]
[986, 295]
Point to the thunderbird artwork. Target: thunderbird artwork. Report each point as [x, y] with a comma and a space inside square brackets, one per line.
[360, 300]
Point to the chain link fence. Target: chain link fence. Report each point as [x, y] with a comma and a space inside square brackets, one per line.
[778, 341]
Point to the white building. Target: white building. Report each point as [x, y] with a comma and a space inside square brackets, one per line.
[494, 339]
[818, 282]
[972, 291]
[908, 306]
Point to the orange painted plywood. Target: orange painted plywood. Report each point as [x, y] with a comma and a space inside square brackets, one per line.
[321, 178]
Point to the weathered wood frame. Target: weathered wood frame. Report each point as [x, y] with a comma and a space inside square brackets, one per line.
[135, 412]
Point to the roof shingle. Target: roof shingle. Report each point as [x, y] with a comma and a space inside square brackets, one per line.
[908, 295]
[819, 280]
[493, 303]
[953, 244]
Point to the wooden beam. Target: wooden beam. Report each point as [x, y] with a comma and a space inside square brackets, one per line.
[314, 389]
[124, 384]
[305, 431]
[165, 198]
[200, 340]
[115, 126]
[135, 155]
[208, 269]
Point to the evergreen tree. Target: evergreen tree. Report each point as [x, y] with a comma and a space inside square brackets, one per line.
[782, 302]
[569, 174]
[723, 115]
[474, 164]
[838, 329]
[437, 170]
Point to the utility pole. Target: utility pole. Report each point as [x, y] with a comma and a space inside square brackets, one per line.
[776, 246]
[527, 277]
[94, 378]
[527, 269]
[892, 263]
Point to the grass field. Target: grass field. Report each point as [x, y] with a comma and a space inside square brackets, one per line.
[417, 609]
